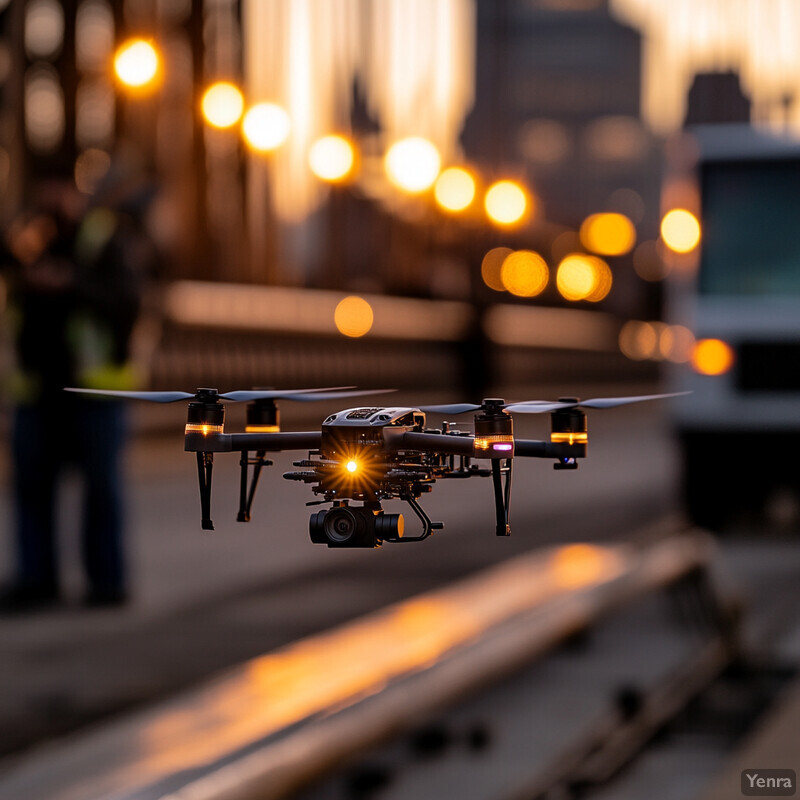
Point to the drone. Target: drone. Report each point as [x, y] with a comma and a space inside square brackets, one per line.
[365, 456]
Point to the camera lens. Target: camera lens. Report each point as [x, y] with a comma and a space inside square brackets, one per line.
[344, 527]
[339, 524]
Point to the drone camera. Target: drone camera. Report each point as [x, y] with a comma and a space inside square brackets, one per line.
[389, 526]
[353, 526]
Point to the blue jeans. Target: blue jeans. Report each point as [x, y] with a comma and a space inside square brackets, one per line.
[46, 438]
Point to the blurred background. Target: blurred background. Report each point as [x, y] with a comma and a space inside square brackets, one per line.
[455, 199]
[387, 151]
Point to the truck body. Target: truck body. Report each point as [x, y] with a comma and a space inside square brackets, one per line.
[740, 428]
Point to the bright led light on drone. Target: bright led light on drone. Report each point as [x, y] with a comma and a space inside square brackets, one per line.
[351, 466]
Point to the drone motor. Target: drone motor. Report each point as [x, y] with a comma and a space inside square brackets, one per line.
[568, 426]
[263, 416]
[205, 413]
[494, 430]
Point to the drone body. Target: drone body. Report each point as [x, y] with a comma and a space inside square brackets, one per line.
[371, 455]
[367, 455]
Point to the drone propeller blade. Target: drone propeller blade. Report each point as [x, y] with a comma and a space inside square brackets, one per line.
[525, 406]
[336, 395]
[611, 402]
[247, 395]
[302, 395]
[153, 397]
[537, 407]
[541, 407]
[452, 408]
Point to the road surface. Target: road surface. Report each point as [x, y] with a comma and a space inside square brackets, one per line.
[206, 600]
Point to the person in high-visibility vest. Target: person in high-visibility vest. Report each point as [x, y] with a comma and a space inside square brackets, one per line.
[76, 277]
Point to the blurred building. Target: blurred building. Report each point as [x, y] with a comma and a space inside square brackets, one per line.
[716, 98]
[556, 102]
[558, 96]
[63, 109]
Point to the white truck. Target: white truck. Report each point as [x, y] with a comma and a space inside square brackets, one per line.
[739, 293]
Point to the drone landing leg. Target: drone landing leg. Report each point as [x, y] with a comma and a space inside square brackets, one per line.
[502, 495]
[245, 496]
[205, 464]
[244, 510]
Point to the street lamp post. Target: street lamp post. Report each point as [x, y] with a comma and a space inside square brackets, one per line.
[202, 239]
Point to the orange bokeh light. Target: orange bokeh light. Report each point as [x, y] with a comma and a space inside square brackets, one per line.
[492, 265]
[507, 203]
[353, 316]
[608, 234]
[680, 230]
[454, 189]
[524, 273]
[712, 357]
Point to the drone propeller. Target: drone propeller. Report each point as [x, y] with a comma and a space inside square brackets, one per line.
[544, 406]
[210, 395]
[153, 397]
[453, 408]
[303, 395]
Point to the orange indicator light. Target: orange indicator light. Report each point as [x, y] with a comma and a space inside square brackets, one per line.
[351, 466]
[569, 437]
[203, 427]
[500, 441]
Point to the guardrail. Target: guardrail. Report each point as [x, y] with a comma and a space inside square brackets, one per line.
[238, 334]
[268, 726]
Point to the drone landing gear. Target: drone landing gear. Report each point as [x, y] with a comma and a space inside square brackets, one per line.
[205, 465]
[501, 481]
[246, 494]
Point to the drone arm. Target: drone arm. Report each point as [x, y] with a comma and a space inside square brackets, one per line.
[236, 442]
[534, 448]
[429, 442]
[275, 442]
[465, 445]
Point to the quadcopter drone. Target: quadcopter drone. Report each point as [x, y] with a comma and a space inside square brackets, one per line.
[372, 454]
